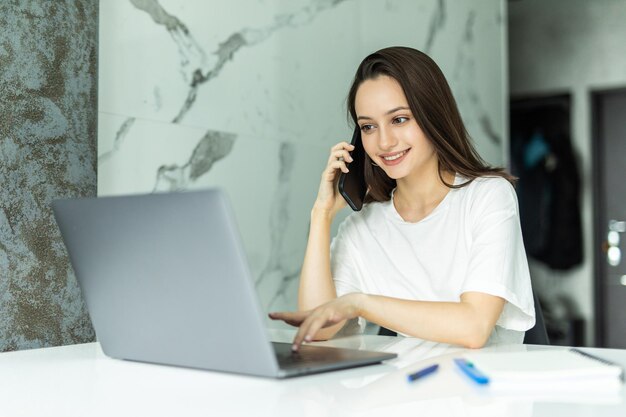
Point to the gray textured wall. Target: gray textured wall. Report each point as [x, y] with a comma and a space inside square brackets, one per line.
[48, 116]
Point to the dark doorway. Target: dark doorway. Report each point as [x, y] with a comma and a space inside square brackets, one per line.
[548, 191]
[549, 183]
[609, 173]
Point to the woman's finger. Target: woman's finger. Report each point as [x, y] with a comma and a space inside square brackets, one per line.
[339, 165]
[342, 145]
[291, 322]
[313, 327]
[309, 328]
[345, 155]
[300, 336]
[301, 333]
[339, 155]
[289, 315]
[291, 318]
[329, 173]
[341, 152]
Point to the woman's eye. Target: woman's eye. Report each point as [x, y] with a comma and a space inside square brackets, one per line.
[366, 128]
[400, 119]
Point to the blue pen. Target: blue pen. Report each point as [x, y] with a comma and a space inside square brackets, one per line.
[470, 370]
[422, 373]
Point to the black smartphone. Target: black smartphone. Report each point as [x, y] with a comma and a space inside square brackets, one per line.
[352, 185]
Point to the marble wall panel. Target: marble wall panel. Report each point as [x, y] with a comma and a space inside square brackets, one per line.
[268, 183]
[250, 95]
[48, 119]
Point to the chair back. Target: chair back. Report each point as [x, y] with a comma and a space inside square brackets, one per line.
[538, 334]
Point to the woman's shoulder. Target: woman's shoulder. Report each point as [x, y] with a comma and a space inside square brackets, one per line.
[487, 194]
[494, 186]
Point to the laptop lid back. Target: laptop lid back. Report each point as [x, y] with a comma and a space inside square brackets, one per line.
[165, 279]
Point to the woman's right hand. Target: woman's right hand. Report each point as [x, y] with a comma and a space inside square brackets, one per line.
[328, 198]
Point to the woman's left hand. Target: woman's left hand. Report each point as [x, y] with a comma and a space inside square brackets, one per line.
[310, 322]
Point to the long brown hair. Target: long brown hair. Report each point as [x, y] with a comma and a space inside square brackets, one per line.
[434, 108]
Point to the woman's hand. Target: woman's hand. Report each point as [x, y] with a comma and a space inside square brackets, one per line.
[328, 198]
[310, 322]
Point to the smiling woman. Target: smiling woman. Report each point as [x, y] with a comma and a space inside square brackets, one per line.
[413, 80]
[437, 251]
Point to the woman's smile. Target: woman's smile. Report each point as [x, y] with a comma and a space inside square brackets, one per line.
[394, 158]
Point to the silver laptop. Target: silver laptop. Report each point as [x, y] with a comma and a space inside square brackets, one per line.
[165, 280]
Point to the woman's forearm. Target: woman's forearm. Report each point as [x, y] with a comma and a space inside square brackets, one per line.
[316, 284]
[467, 323]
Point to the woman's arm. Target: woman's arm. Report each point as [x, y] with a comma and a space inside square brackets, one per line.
[468, 322]
[316, 283]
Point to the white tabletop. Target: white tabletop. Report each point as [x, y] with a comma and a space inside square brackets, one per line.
[80, 380]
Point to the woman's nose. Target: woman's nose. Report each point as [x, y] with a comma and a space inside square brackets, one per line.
[386, 139]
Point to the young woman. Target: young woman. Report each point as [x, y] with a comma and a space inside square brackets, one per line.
[437, 251]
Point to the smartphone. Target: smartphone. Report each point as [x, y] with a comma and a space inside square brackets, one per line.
[352, 185]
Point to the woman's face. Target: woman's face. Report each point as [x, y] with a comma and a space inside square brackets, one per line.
[391, 136]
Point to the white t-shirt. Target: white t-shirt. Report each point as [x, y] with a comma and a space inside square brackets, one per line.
[472, 241]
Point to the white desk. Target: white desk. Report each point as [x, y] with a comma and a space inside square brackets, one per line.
[80, 381]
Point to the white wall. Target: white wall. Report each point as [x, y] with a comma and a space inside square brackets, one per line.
[574, 46]
[263, 125]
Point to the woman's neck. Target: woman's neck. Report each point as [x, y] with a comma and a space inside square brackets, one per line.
[415, 198]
